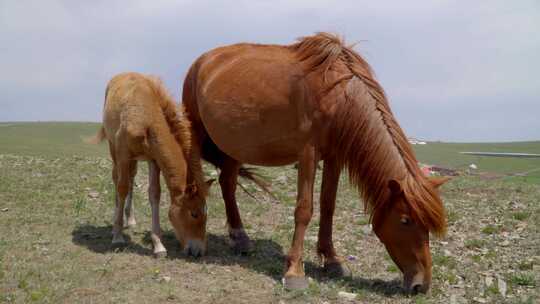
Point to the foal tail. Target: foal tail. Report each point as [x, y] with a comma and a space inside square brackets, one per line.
[96, 139]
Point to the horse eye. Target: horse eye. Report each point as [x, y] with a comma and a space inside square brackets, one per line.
[405, 221]
[194, 214]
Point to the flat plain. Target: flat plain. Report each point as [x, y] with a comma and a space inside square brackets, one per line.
[56, 206]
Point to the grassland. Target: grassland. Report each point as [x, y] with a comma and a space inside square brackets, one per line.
[56, 211]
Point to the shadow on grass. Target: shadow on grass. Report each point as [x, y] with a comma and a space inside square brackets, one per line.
[98, 239]
[266, 258]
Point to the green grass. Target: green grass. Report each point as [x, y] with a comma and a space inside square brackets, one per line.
[49, 139]
[474, 243]
[447, 155]
[523, 279]
[490, 229]
[521, 215]
[55, 234]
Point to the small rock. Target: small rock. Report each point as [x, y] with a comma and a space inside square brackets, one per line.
[447, 252]
[165, 279]
[93, 194]
[505, 243]
[5, 209]
[366, 229]
[352, 258]
[347, 295]
[282, 179]
[479, 300]
[501, 285]
[489, 281]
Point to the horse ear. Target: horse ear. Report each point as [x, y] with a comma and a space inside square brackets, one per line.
[191, 190]
[395, 187]
[210, 182]
[438, 181]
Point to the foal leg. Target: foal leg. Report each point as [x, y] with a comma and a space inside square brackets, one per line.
[333, 264]
[295, 277]
[154, 194]
[227, 180]
[128, 211]
[123, 169]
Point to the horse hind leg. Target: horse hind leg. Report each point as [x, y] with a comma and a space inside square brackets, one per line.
[334, 265]
[129, 212]
[122, 169]
[154, 195]
[228, 177]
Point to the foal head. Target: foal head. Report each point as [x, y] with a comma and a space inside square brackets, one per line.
[187, 215]
[405, 234]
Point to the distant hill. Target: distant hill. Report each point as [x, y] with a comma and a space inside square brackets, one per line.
[57, 139]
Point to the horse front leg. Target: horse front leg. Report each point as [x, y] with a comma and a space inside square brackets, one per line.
[333, 264]
[295, 277]
[227, 180]
[154, 195]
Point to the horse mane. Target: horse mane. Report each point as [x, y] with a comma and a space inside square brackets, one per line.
[367, 138]
[180, 127]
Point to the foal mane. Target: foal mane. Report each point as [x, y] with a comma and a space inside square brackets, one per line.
[367, 138]
[180, 127]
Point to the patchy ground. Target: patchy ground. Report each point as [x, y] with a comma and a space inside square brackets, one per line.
[55, 222]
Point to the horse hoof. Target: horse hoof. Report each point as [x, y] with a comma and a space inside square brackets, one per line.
[160, 254]
[337, 270]
[242, 248]
[118, 244]
[295, 283]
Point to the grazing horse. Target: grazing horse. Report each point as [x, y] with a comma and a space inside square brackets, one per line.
[142, 122]
[317, 99]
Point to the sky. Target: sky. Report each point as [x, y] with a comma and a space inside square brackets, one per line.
[453, 70]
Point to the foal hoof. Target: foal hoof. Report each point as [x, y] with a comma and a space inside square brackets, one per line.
[160, 254]
[295, 283]
[337, 270]
[130, 224]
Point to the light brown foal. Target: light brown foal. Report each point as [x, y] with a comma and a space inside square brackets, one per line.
[142, 122]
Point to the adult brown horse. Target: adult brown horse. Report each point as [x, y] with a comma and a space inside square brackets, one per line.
[317, 99]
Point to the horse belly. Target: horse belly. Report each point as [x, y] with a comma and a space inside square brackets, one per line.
[260, 134]
[250, 106]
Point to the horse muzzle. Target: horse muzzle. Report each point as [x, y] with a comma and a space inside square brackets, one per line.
[195, 248]
[416, 283]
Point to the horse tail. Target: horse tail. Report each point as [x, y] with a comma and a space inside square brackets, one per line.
[100, 135]
[256, 178]
[96, 139]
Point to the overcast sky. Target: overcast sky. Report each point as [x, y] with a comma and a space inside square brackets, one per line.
[453, 70]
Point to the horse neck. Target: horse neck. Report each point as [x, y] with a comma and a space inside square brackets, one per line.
[366, 139]
[194, 166]
[169, 155]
